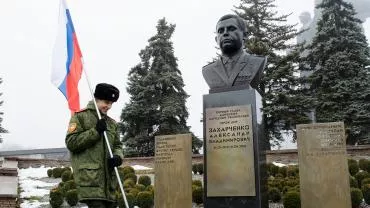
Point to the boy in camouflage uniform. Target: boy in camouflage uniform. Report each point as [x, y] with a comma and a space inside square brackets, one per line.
[93, 168]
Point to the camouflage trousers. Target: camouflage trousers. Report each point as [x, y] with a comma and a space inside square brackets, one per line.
[100, 204]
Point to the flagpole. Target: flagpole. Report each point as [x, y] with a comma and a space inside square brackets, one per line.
[105, 134]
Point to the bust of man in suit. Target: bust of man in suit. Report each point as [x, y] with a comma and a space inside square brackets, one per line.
[235, 67]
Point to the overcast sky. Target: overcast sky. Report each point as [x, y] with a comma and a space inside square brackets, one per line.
[111, 34]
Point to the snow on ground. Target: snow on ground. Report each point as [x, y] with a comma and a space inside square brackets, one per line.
[33, 188]
[139, 167]
[30, 183]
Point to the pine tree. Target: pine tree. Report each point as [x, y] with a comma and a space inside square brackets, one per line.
[2, 129]
[271, 36]
[339, 58]
[157, 102]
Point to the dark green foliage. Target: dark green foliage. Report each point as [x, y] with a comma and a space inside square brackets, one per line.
[293, 171]
[57, 172]
[272, 169]
[197, 195]
[122, 171]
[283, 171]
[356, 197]
[157, 98]
[130, 200]
[128, 183]
[130, 176]
[134, 191]
[274, 195]
[2, 129]
[197, 183]
[283, 105]
[365, 181]
[366, 192]
[50, 172]
[150, 189]
[200, 168]
[364, 164]
[353, 182]
[140, 187]
[361, 176]
[72, 197]
[353, 167]
[55, 198]
[66, 175]
[292, 199]
[338, 58]
[145, 180]
[145, 199]
[276, 183]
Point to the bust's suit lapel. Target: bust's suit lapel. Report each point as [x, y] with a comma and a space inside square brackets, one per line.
[221, 71]
[242, 62]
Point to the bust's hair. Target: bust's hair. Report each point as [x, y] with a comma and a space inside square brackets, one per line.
[239, 20]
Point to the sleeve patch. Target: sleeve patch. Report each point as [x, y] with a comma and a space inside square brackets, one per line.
[72, 127]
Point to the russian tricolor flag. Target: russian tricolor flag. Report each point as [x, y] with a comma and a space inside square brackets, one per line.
[67, 59]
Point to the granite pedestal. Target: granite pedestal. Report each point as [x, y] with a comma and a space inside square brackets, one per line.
[234, 156]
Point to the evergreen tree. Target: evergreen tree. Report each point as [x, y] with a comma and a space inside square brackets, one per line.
[339, 58]
[2, 129]
[271, 36]
[157, 102]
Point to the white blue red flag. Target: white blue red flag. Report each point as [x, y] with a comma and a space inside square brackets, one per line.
[67, 59]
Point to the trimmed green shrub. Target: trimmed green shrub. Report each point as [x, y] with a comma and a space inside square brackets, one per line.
[130, 200]
[57, 172]
[66, 175]
[274, 195]
[129, 183]
[293, 171]
[283, 171]
[273, 169]
[150, 188]
[50, 172]
[356, 197]
[72, 197]
[130, 176]
[365, 181]
[68, 185]
[366, 192]
[292, 200]
[364, 164]
[194, 168]
[200, 168]
[145, 180]
[361, 176]
[133, 191]
[140, 187]
[353, 167]
[291, 181]
[353, 182]
[67, 169]
[55, 198]
[126, 170]
[144, 199]
[197, 195]
[197, 183]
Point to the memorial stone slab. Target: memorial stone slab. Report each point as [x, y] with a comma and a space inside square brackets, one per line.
[173, 171]
[234, 155]
[323, 168]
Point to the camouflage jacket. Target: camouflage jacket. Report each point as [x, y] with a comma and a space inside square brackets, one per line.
[89, 155]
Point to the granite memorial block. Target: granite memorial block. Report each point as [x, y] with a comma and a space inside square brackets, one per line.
[173, 171]
[234, 154]
[323, 168]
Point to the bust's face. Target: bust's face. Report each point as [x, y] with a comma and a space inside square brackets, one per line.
[229, 36]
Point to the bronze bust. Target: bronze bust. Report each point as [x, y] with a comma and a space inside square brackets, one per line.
[235, 67]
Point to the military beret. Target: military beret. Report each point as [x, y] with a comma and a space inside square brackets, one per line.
[104, 91]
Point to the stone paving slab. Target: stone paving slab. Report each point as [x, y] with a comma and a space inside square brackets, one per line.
[8, 186]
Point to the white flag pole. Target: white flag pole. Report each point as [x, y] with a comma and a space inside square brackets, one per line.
[105, 134]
